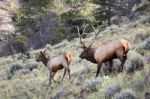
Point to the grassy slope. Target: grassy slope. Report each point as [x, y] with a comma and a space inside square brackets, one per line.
[31, 85]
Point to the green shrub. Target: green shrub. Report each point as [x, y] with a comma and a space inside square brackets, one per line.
[17, 17]
[20, 43]
[71, 14]
[59, 35]
[39, 3]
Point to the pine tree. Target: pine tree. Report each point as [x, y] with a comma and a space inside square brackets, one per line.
[116, 7]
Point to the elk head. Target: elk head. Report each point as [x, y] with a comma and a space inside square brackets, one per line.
[85, 54]
[87, 51]
[41, 56]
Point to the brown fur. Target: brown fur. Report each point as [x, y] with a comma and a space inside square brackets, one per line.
[107, 51]
[56, 63]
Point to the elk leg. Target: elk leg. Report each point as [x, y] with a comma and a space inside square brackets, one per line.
[98, 69]
[110, 68]
[53, 76]
[120, 55]
[123, 62]
[64, 74]
[68, 69]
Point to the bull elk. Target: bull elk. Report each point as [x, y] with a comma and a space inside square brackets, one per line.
[105, 52]
[56, 63]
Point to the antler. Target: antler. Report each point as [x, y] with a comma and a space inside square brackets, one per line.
[44, 51]
[95, 34]
[81, 36]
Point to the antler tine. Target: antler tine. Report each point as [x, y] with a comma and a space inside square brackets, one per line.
[80, 37]
[96, 33]
[94, 37]
[85, 25]
[44, 51]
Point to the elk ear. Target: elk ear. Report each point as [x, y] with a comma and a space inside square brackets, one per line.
[41, 52]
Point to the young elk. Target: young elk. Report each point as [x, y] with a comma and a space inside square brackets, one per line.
[105, 52]
[56, 63]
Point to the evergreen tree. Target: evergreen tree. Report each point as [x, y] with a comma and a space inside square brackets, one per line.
[116, 7]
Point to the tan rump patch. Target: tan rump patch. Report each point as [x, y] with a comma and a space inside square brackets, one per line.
[126, 44]
[68, 55]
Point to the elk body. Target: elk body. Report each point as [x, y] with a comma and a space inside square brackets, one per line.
[106, 52]
[56, 63]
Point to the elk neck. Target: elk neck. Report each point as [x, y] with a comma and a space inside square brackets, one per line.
[91, 55]
[45, 61]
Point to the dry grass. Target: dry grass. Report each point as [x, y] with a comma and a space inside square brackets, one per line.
[33, 85]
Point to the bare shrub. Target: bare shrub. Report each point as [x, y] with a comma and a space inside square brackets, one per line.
[111, 91]
[135, 62]
[90, 85]
[147, 44]
[62, 93]
[126, 94]
[143, 46]
[141, 37]
[17, 69]
[142, 83]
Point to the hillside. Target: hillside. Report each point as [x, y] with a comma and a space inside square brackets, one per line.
[28, 79]
[6, 24]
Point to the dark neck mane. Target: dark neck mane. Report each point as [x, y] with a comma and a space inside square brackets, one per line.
[45, 61]
[91, 55]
